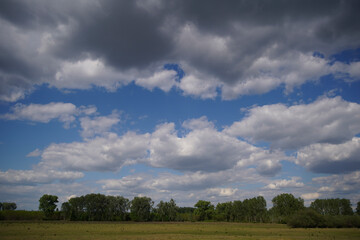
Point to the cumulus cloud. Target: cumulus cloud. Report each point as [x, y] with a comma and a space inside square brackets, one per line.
[331, 158]
[62, 45]
[190, 181]
[339, 183]
[327, 120]
[103, 153]
[165, 80]
[284, 183]
[310, 196]
[85, 74]
[44, 113]
[204, 148]
[200, 148]
[30, 177]
[98, 125]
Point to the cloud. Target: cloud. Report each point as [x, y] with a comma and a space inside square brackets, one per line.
[327, 120]
[190, 181]
[284, 183]
[84, 74]
[203, 148]
[339, 183]
[310, 196]
[36, 153]
[331, 158]
[165, 80]
[98, 125]
[267, 73]
[44, 113]
[223, 192]
[105, 153]
[30, 177]
[63, 46]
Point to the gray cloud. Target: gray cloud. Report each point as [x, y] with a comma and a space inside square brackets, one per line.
[331, 158]
[216, 43]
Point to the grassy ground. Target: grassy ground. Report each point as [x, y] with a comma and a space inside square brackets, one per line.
[108, 230]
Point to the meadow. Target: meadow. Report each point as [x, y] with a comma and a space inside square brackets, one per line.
[183, 230]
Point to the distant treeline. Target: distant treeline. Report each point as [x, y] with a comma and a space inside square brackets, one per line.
[286, 209]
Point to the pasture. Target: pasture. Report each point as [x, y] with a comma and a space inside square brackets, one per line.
[185, 230]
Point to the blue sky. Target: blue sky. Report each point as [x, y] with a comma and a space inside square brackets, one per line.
[179, 99]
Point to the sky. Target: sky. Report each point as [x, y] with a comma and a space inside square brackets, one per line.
[190, 100]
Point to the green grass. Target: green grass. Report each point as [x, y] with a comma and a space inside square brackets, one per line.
[187, 230]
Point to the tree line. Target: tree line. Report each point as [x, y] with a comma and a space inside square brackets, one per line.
[286, 209]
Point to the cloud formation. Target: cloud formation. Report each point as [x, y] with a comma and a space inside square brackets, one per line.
[219, 46]
[327, 120]
[44, 113]
[284, 183]
[331, 158]
[31, 177]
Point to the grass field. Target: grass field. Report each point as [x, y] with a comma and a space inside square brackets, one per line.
[187, 230]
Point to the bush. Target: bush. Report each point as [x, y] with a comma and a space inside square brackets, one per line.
[307, 218]
[310, 218]
[21, 215]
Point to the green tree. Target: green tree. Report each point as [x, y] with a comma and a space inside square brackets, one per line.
[140, 209]
[117, 208]
[8, 206]
[238, 211]
[66, 210]
[204, 210]
[332, 206]
[224, 211]
[167, 211]
[286, 204]
[358, 208]
[47, 203]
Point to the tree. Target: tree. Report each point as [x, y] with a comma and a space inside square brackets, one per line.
[286, 204]
[117, 208]
[47, 203]
[224, 211]
[358, 208]
[167, 211]
[140, 209]
[204, 210]
[332, 206]
[9, 206]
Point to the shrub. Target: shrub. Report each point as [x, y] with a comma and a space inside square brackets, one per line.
[307, 218]
[21, 215]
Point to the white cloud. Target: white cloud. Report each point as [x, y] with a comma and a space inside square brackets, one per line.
[164, 80]
[84, 74]
[310, 196]
[36, 153]
[29, 177]
[223, 192]
[331, 158]
[98, 125]
[198, 84]
[44, 113]
[206, 149]
[190, 181]
[106, 153]
[284, 183]
[327, 120]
